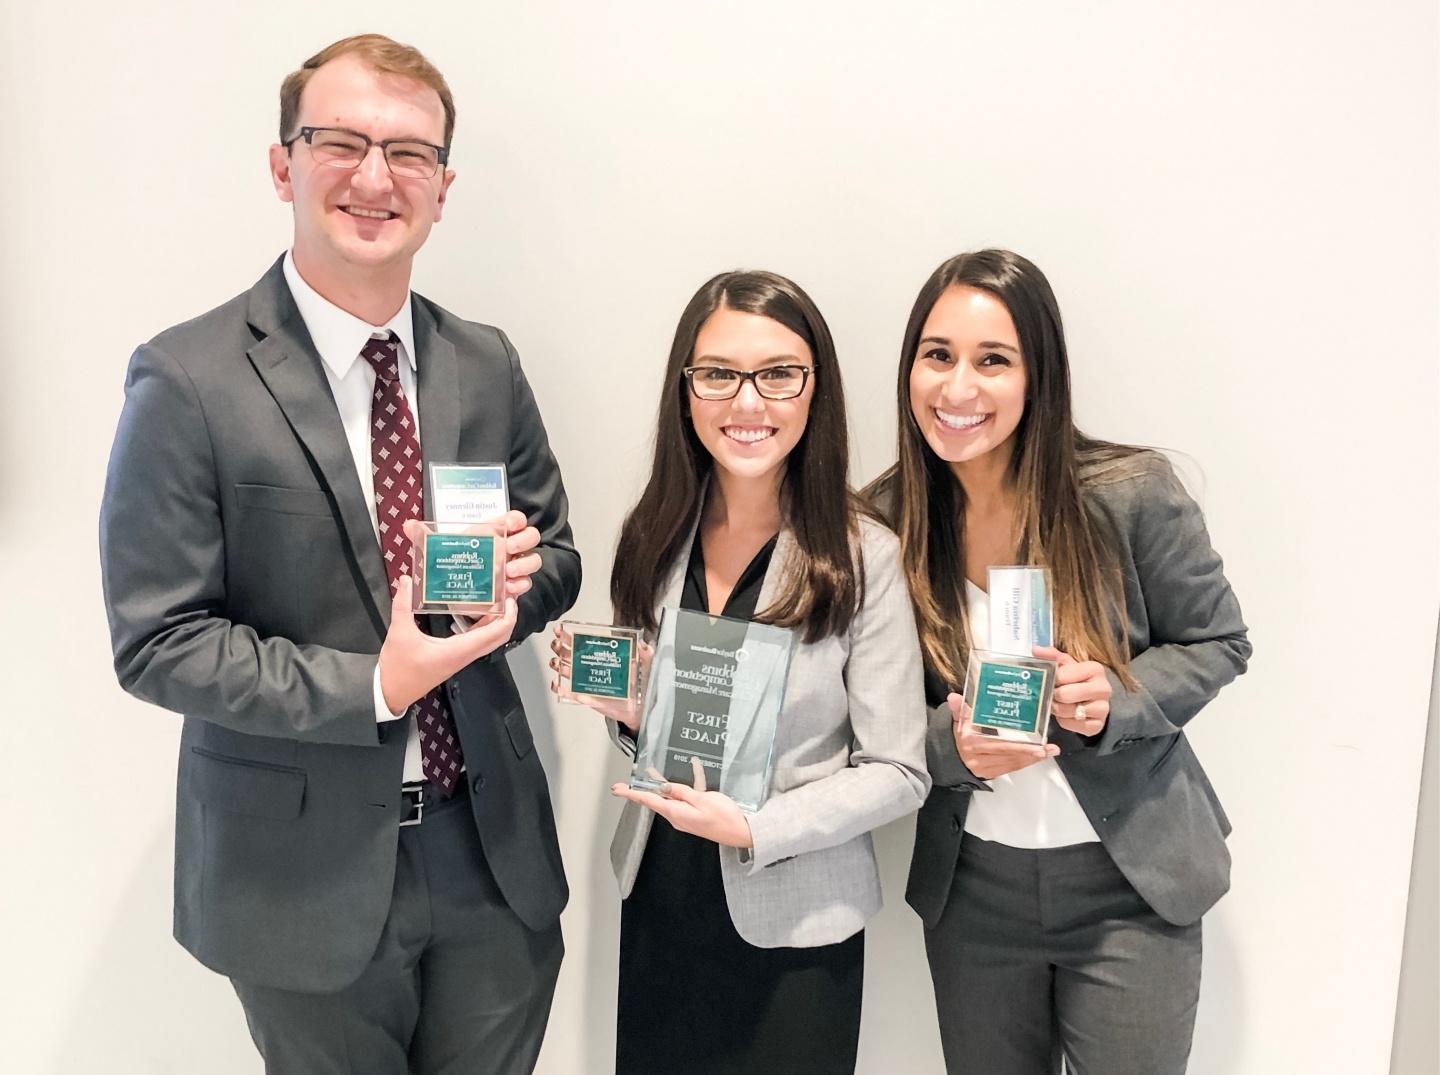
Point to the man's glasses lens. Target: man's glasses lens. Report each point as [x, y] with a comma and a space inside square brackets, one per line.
[343, 149]
[720, 382]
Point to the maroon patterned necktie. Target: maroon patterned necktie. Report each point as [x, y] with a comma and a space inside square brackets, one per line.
[395, 462]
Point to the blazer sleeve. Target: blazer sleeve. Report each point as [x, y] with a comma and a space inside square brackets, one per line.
[537, 490]
[942, 757]
[162, 562]
[886, 777]
[1197, 640]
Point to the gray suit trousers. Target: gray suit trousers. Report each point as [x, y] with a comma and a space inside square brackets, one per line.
[450, 938]
[1051, 953]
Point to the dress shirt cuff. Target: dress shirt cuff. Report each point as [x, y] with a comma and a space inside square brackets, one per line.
[382, 711]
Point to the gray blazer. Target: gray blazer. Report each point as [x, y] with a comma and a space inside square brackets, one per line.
[849, 757]
[1139, 782]
[246, 590]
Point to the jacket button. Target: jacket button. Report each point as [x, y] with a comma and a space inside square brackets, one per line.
[954, 824]
[478, 783]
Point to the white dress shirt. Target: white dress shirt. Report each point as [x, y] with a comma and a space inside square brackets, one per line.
[1033, 807]
[339, 337]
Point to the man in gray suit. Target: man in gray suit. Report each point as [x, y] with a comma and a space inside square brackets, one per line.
[364, 838]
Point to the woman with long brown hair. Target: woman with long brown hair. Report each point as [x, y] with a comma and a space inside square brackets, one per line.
[1061, 885]
[741, 937]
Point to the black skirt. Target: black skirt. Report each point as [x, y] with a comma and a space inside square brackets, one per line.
[696, 997]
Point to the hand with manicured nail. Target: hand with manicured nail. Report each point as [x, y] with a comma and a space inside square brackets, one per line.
[707, 814]
[989, 756]
[621, 710]
[1082, 692]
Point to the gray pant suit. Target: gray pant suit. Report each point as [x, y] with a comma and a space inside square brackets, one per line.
[1092, 952]
[246, 591]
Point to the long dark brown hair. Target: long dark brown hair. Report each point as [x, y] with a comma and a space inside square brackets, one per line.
[820, 588]
[1053, 526]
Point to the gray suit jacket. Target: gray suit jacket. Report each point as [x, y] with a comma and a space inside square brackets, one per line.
[246, 590]
[1139, 782]
[849, 757]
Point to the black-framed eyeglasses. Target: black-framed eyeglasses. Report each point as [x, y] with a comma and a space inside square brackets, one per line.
[337, 147]
[722, 382]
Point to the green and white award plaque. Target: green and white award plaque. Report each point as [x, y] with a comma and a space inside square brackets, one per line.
[460, 568]
[717, 686]
[468, 492]
[599, 664]
[1009, 696]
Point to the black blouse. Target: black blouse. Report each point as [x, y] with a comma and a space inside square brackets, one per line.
[740, 605]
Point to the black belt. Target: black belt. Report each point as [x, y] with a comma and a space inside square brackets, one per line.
[416, 793]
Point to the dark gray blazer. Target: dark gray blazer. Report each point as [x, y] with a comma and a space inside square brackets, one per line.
[246, 590]
[1138, 781]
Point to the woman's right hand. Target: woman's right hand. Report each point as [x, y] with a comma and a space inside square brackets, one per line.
[623, 712]
[989, 756]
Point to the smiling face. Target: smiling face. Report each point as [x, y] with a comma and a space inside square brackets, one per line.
[750, 436]
[364, 222]
[967, 379]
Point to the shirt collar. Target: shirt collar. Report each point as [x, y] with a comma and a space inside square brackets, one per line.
[339, 335]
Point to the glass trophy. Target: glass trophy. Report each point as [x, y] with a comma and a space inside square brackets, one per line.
[459, 568]
[1008, 690]
[716, 689]
[600, 664]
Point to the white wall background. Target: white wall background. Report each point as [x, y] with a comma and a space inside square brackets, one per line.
[1235, 203]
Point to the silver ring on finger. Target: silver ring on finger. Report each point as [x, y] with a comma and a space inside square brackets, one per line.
[1080, 711]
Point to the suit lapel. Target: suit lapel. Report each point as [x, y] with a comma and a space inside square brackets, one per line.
[437, 373]
[775, 570]
[286, 360]
[674, 585]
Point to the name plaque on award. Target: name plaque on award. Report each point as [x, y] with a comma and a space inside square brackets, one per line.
[1009, 696]
[468, 492]
[717, 686]
[599, 664]
[1021, 614]
[460, 568]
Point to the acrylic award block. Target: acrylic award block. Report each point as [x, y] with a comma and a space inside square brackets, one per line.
[1009, 696]
[716, 689]
[459, 568]
[600, 664]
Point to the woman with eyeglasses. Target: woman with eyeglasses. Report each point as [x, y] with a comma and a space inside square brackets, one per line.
[741, 938]
[1061, 885]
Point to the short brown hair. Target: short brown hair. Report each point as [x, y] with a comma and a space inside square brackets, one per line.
[381, 53]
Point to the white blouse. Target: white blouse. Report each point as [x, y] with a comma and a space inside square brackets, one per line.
[1032, 807]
